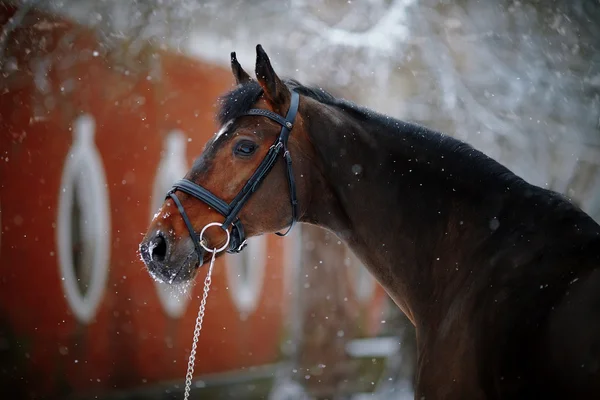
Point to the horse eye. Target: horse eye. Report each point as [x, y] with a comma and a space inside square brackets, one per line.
[245, 148]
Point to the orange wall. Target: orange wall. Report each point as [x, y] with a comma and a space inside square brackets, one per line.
[131, 341]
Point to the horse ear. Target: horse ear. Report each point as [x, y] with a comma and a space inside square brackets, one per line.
[275, 91]
[240, 75]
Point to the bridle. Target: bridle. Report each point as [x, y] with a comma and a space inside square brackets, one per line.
[231, 210]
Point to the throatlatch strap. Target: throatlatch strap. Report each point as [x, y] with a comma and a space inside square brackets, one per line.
[292, 187]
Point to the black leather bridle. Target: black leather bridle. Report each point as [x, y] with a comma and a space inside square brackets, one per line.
[230, 211]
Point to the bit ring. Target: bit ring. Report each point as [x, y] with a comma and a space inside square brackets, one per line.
[215, 250]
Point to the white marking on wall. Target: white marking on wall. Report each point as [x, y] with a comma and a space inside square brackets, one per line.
[293, 286]
[373, 347]
[361, 280]
[172, 167]
[245, 275]
[83, 188]
[292, 250]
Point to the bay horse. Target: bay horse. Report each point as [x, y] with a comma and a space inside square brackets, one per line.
[501, 278]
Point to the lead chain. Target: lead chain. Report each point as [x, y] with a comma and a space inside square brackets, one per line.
[198, 328]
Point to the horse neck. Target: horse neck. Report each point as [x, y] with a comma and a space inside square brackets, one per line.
[396, 194]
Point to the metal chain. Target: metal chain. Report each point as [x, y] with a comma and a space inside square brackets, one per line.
[198, 328]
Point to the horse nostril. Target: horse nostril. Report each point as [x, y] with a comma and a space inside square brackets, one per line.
[158, 248]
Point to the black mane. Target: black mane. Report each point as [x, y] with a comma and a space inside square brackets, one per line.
[241, 99]
[238, 101]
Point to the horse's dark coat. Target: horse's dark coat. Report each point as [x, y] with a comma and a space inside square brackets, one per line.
[501, 278]
[483, 262]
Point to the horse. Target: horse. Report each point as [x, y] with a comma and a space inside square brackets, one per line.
[501, 278]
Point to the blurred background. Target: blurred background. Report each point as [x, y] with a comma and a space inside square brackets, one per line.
[105, 103]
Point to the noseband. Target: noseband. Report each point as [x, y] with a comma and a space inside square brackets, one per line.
[231, 210]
